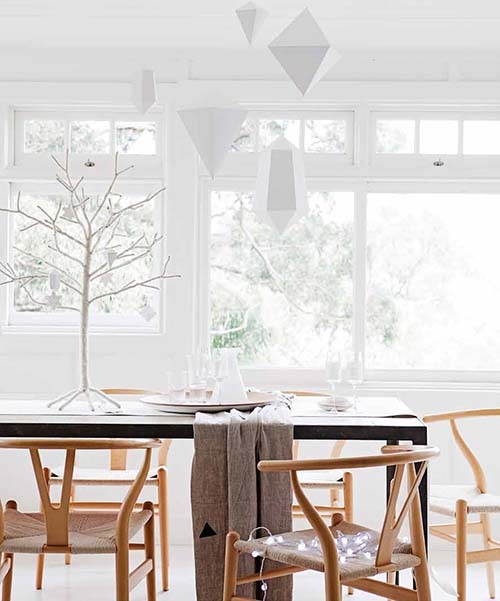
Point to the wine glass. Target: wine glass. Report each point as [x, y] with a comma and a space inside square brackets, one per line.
[354, 368]
[198, 373]
[334, 370]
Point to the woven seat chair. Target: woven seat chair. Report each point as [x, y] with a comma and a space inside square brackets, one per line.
[392, 555]
[458, 502]
[118, 475]
[56, 529]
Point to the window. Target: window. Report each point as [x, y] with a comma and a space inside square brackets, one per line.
[459, 135]
[320, 133]
[281, 298]
[91, 138]
[432, 281]
[87, 135]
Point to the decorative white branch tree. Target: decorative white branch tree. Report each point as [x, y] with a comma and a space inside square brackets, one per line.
[83, 230]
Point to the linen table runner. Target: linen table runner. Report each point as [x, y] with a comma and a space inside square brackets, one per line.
[229, 493]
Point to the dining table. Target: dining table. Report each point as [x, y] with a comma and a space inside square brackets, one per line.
[385, 419]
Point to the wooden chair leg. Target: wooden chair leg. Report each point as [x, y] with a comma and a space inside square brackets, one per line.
[163, 523]
[41, 558]
[461, 559]
[490, 570]
[67, 556]
[230, 567]
[122, 574]
[349, 507]
[7, 581]
[39, 571]
[149, 548]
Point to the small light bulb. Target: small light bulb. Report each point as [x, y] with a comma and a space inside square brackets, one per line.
[301, 546]
[279, 539]
[257, 554]
[263, 586]
[342, 559]
[270, 541]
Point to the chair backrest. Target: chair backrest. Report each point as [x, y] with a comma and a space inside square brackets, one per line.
[403, 458]
[57, 514]
[452, 418]
[118, 457]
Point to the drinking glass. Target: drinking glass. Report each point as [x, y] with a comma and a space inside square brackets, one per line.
[354, 368]
[177, 383]
[198, 373]
[334, 370]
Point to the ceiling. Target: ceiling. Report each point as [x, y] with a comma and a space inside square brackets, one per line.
[352, 25]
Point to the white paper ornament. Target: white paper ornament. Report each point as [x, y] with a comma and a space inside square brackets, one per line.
[68, 212]
[147, 312]
[54, 280]
[280, 193]
[53, 301]
[212, 131]
[144, 90]
[111, 256]
[304, 52]
[251, 17]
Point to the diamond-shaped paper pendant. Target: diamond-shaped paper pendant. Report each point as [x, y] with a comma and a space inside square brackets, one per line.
[304, 52]
[144, 90]
[251, 17]
[280, 192]
[212, 131]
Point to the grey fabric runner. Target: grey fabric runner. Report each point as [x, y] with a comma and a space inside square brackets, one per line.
[228, 492]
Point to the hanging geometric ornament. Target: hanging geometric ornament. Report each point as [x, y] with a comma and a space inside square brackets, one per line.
[251, 17]
[280, 191]
[144, 90]
[68, 213]
[147, 312]
[304, 52]
[212, 131]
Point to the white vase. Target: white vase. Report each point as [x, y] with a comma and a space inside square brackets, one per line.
[230, 388]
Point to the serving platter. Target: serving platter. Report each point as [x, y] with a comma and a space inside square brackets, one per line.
[162, 402]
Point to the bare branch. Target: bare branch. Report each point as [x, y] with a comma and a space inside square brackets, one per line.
[144, 283]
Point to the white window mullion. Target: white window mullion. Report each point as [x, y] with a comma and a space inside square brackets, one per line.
[359, 270]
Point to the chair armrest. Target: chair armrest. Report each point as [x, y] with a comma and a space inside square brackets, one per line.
[453, 415]
[384, 459]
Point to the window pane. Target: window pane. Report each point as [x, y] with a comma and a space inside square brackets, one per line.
[482, 137]
[245, 142]
[438, 137]
[325, 135]
[135, 137]
[90, 137]
[282, 299]
[433, 285]
[271, 129]
[39, 243]
[395, 136]
[44, 135]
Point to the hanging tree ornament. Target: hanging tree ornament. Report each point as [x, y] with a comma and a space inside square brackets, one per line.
[304, 52]
[251, 17]
[212, 131]
[144, 90]
[280, 191]
[54, 280]
[148, 312]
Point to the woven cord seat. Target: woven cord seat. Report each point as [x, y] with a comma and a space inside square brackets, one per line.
[443, 499]
[83, 476]
[89, 533]
[311, 559]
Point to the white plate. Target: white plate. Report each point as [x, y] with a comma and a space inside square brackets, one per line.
[161, 402]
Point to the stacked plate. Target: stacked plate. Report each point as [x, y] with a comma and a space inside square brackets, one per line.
[335, 403]
[162, 402]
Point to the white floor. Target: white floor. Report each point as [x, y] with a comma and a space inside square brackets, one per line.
[92, 578]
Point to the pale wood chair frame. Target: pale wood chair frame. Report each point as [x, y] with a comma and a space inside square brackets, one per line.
[458, 531]
[404, 460]
[118, 462]
[57, 514]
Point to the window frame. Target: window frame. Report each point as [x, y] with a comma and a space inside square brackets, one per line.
[41, 164]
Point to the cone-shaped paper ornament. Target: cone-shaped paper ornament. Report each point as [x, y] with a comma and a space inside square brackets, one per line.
[212, 131]
[304, 52]
[144, 90]
[280, 192]
[251, 17]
